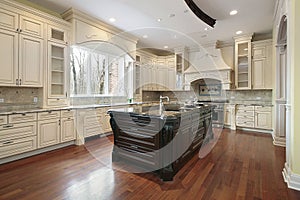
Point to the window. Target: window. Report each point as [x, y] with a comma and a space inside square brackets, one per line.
[95, 73]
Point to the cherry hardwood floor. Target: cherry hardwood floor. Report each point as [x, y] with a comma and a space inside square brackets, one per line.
[242, 165]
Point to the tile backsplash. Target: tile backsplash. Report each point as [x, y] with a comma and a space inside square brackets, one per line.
[20, 97]
[229, 95]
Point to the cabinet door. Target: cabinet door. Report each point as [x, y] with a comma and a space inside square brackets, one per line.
[57, 34]
[31, 27]
[48, 133]
[8, 58]
[258, 73]
[243, 64]
[171, 76]
[67, 130]
[8, 20]
[31, 61]
[263, 120]
[57, 71]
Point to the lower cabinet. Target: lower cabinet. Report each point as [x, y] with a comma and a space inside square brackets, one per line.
[55, 127]
[263, 117]
[48, 132]
[17, 138]
[67, 129]
[92, 122]
[259, 117]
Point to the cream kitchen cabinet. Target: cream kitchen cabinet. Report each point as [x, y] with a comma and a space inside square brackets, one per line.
[263, 117]
[245, 116]
[243, 69]
[57, 75]
[16, 136]
[22, 52]
[48, 128]
[67, 124]
[262, 64]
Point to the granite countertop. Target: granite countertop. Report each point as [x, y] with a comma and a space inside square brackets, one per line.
[13, 110]
[252, 103]
[155, 111]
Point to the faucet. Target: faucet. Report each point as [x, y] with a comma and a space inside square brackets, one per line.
[161, 99]
[161, 102]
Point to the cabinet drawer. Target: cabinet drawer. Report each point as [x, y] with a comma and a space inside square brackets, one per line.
[92, 130]
[68, 113]
[13, 131]
[48, 115]
[263, 108]
[91, 120]
[57, 102]
[245, 107]
[245, 113]
[24, 117]
[3, 119]
[245, 119]
[17, 146]
[245, 124]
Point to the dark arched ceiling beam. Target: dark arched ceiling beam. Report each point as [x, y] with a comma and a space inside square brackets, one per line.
[199, 13]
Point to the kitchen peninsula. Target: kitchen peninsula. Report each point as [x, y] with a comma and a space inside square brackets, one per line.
[159, 139]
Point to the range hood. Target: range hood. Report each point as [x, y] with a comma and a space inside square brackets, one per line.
[207, 62]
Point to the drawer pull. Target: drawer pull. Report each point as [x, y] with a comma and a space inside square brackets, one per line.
[134, 146]
[8, 126]
[8, 142]
[23, 114]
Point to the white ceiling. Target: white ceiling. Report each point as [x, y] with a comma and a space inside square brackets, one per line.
[139, 17]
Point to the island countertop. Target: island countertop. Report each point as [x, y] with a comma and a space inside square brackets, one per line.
[167, 111]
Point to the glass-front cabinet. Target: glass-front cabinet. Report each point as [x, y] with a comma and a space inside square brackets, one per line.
[57, 71]
[58, 58]
[243, 75]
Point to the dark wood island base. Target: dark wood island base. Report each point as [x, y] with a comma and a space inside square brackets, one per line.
[159, 141]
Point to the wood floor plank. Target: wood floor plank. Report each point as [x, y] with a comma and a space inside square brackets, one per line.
[242, 165]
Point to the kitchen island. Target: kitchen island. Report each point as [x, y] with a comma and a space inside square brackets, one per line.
[159, 139]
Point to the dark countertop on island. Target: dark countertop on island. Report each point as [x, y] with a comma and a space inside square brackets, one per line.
[154, 111]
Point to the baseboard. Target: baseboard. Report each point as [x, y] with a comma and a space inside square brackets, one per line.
[278, 141]
[292, 179]
[255, 130]
[35, 152]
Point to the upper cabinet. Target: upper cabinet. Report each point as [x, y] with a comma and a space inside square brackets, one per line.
[243, 73]
[253, 63]
[58, 34]
[262, 64]
[22, 50]
[58, 67]
[181, 63]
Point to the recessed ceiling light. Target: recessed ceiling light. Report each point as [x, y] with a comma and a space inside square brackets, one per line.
[233, 12]
[166, 47]
[159, 19]
[206, 29]
[112, 19]
[145, 36]
[239, 32]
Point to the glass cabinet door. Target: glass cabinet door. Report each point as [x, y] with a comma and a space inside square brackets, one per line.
[243, 65]
[57, 63]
